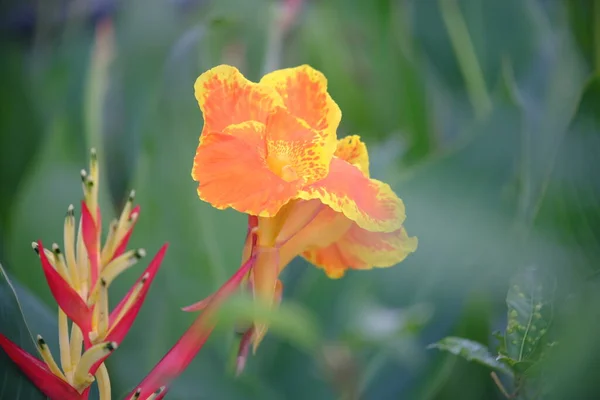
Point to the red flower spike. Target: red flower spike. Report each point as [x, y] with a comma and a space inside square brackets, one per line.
[66, 297]
[38, 373]
[120, 249]
[90, 238]
[117, 332]
[186, 348]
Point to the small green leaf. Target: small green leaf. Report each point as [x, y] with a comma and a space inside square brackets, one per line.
[471, 351]
[530, 313]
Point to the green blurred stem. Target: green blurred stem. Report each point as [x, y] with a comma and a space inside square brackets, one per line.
[274, 41]
[375, 364]
[596, 8]
[467, 59]
[97, 83]
[441, 378]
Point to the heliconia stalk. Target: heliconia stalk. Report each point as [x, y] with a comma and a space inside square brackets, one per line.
[249, 248]
[186, 348]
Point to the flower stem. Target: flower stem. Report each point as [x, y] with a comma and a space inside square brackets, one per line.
[596, 25]
[467, 59]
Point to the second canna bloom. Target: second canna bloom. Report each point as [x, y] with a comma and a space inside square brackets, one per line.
[270, 150]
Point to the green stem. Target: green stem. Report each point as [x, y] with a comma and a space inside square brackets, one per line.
[274, 41]
[596, 24]
[371, 369]
[467, 59]
[97, 83]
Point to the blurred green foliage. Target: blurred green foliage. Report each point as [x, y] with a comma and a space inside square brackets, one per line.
[483, 115]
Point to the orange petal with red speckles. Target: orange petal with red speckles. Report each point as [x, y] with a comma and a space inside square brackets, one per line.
[368, 202]
[295, 151]
[361, 249]
[231, 171]
[226, 97]
[304, 93]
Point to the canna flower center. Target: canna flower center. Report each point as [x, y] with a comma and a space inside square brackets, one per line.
[281, 165]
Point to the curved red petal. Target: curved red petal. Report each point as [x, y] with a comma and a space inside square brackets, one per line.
[199, 306]
[38, 373]
[183, 352]
[117, 332]
[66, 297]
[249, 245]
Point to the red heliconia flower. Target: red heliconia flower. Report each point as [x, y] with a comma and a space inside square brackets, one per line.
[47, 376]
[79, 279]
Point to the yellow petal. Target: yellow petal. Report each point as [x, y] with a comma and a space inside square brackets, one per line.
[295, 151]
[353, 151]
[304, 93]
[368, 202]
[361, 249]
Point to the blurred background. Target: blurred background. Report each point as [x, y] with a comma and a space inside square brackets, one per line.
[483, 115]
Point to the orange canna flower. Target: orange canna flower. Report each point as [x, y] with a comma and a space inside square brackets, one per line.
[270, 150]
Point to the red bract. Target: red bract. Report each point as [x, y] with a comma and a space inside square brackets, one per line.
[122, 317]
[38, 373]
[91, 239]
[186, 348]
[123, 244]
[66, 297]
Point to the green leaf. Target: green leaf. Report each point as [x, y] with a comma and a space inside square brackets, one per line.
[530, 313]
[13, 384]
[471, 351]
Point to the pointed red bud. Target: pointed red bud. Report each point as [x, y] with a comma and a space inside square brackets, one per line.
[118, 331]
[120, 249]
[90, 239]
[66, 297]
[201, 305]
